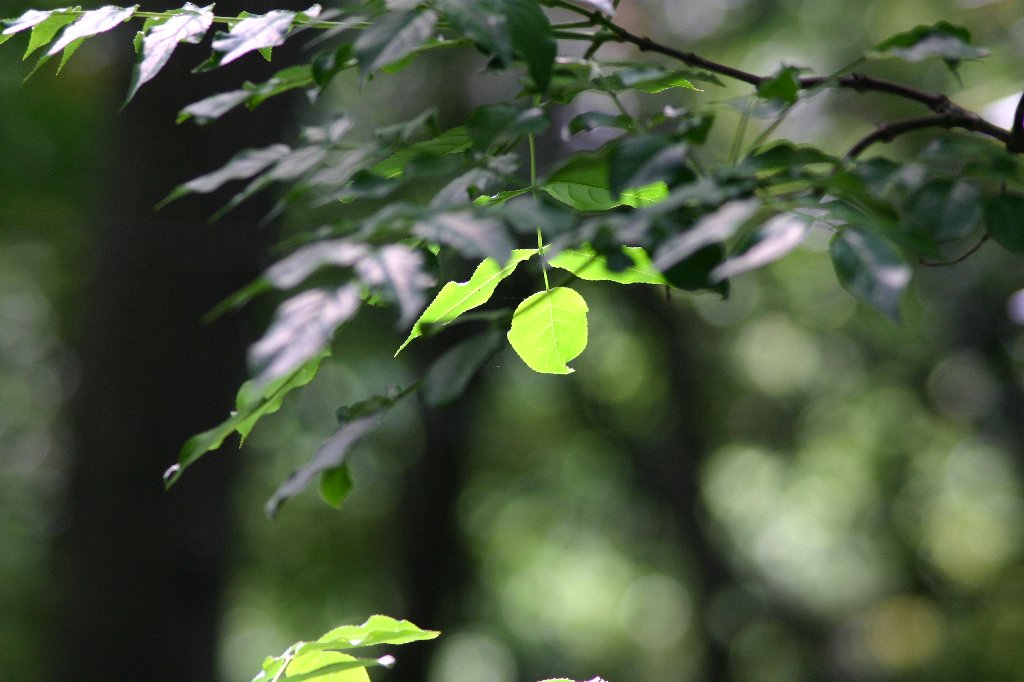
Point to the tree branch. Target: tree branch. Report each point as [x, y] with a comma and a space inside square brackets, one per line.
[1016, 143]
[890, 131]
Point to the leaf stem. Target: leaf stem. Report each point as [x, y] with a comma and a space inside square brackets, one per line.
[533, 183]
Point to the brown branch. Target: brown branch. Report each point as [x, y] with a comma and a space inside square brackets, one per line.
[950, 115]
[890, 131]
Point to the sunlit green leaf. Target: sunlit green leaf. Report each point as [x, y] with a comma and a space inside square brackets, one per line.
[870, 269]
[456, 298]
[335, 486]
[586, 263]
[376, 630]
[549, 329]
[44, 25]
[584, 184]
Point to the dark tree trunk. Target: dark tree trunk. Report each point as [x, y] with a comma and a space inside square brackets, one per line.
[140, 571]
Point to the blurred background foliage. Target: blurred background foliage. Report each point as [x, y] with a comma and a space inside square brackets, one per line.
[778, 486]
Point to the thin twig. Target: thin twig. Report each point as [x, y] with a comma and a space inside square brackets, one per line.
[959, 259]
[890, 131]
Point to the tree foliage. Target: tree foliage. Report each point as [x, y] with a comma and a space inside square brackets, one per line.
[655, 205]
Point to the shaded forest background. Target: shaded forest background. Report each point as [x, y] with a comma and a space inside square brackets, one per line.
[780, 486]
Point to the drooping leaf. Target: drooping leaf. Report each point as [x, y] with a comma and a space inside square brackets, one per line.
[335, 486]
[783, 86]
[591, 120]
[44, 25]
[583, 183]
[713, 228]
[947, 41]
[302, 327]
[294, 269]
[392, 37]
[450, 141]
[945, 209]
[449, 375]
[213, 107]
[549, 329]
[645, 160]
[90, 23]
[772, 240]
[186, 25]
[396, 272]
[476, 182]
[245, 164]
[255, 32]
[333, 453]
[376, 630]
[500, 124]
[586, 263]
[870, 269]
[470, 234]
[506, 28]
[456, 298]
[1004, 216]
[251, 404]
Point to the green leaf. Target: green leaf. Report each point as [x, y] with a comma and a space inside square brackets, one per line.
[944, 40]
[451, 141]
[327, 666]
[332, 454]
[549, 329]
[449, 375]
[44, 25]
[1004, 216]
[456, 298]
[92, 23]
[395, 271]
[870, 269]
[470, 234]
[376, 630]
[782, 86]
[335, 486]
[649, 78]
[772, 240]
[506, 28]
[213, 107]
[945, 209]
[501, 124]
[244, 164]
[788, 156]
[645, 160]
[583, 183]
[255, 32]
[713, 228]
[252, 403]
[693, 273]
[392, 37]
[298, 266]
[591, 120]
[186, 25]
[301, 329]
[586, 263]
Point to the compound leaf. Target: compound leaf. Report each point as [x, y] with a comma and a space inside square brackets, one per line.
[186, 25]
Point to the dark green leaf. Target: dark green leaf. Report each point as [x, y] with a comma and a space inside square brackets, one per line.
[501, 124]
[782, 86]
[642, 160]
[590, 120]
[713, 228]
[786, 155]
[450, 374]
[693, 273]
[451, 141]
[1004, 215]
[945, 209]
[506, 28]
[949, 42]
[391, 37]
[870, 269]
